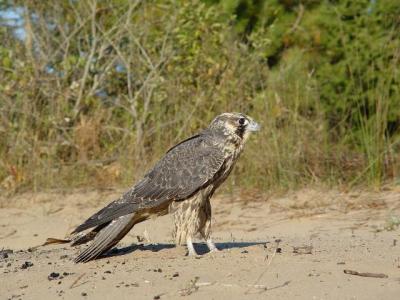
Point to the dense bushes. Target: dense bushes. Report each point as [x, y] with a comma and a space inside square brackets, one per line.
[94, 92]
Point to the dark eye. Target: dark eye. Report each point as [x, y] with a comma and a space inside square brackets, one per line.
[242, 121]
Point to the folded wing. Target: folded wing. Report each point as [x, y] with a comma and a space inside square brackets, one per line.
[186, 168]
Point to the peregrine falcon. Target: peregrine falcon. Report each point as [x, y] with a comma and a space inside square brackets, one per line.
[181, 183]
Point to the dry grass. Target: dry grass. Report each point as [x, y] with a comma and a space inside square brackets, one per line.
[108, 94]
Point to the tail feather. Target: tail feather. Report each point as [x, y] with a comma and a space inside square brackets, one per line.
[101, 243]
[107, 238]
[82, 238]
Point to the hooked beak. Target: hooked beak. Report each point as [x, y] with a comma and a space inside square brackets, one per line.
[253, 126]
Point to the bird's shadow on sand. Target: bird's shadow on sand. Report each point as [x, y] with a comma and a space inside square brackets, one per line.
[201, 248]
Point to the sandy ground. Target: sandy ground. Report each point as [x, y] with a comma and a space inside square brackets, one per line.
[295, 246]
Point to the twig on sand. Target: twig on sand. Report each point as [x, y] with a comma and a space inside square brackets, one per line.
[76, 281]
[251, 286]
[303, 249]
[366, 274]
[199, 284]
[266, 269]
[191, 288]
[8, 234]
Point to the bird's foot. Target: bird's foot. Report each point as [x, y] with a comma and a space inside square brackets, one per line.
[212, 247]
[215, 250]
[194, 255]
[190, 248]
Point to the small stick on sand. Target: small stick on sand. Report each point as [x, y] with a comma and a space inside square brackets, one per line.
[9, 234]
[366, 274]
[265, 270]
[76, 281]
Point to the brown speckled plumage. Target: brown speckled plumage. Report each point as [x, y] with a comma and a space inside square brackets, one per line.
[182, 182]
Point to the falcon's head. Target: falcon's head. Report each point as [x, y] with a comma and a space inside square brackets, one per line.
[236, 124]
